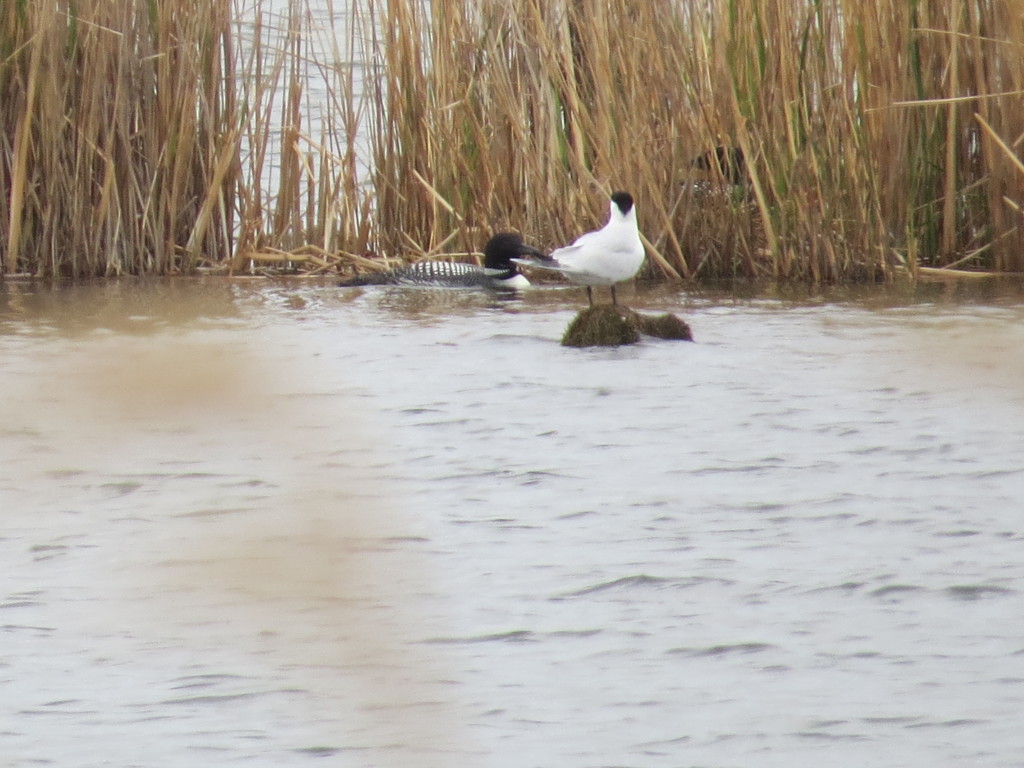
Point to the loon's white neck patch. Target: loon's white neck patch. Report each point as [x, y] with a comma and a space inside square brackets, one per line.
[516, 282]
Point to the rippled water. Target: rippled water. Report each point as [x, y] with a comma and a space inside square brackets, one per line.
[274, 523]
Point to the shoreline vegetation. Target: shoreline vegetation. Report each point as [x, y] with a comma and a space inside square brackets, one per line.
[815, 140]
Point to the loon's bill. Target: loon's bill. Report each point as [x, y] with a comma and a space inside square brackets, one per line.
[499, 270]
[604, 257]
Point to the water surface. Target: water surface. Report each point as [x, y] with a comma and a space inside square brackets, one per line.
[272, 523]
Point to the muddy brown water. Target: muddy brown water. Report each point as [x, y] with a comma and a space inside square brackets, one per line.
[277, 523]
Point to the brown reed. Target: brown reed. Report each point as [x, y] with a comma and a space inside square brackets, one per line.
[862, 127]
[117, 152]
[877, 136]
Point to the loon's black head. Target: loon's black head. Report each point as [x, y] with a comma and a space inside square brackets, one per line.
[623, 201]
[505, 246]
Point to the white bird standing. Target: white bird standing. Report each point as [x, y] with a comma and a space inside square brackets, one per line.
[604, 257]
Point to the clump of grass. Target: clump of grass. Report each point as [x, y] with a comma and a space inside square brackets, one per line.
[606, 325]
[602, 325]
[667, 326]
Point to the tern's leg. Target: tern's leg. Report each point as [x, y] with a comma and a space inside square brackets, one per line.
[590, 296]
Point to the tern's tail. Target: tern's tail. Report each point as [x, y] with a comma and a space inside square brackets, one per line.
[541, 261]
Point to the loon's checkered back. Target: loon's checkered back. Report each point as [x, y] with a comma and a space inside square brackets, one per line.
[498, 272]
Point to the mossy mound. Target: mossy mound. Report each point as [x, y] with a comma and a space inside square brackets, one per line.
[607, 325]
[601, 326]
[666, 326]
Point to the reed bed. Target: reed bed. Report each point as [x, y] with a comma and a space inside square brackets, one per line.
[117, 145]
[876, 137]
[870, 131]
[158, 138]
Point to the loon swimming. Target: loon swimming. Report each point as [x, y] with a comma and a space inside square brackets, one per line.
[605, 257]
[498, 270]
